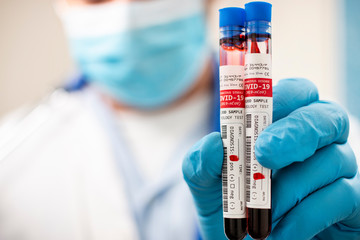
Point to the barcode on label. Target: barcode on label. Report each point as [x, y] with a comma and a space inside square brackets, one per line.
[248, 120]
[224, 131]
[248, 166]
[225, 182]
[247, 192]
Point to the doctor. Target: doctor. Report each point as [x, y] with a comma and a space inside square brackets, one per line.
[101, 159]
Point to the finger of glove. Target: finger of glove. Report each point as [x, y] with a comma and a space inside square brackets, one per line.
[294, 183]
[202, 172]
[319, 210]
[297, 136]
[291, 94]
[212, 226]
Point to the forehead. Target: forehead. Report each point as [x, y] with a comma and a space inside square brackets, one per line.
[93, 2]
[88, 2]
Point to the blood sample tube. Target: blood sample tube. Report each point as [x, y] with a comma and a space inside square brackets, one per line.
[259, 107]
[232, 115]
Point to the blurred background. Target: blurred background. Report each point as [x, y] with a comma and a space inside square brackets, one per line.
[308, 41]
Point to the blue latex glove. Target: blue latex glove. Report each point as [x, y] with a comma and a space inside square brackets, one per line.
[316, 184]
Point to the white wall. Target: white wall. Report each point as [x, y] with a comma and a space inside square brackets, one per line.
[34, 58]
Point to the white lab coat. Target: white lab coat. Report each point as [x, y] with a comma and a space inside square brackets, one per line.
[59, 179]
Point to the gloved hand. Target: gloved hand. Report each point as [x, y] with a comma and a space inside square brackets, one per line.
[315, 184]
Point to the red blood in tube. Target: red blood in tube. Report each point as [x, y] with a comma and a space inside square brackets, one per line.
[255, 47]
[258, 176]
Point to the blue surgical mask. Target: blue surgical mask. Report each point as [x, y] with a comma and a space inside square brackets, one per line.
[146, 54]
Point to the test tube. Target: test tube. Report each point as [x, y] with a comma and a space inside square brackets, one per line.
[259, 107]
[232, 120]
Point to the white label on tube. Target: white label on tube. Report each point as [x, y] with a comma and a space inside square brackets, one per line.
[259, 108]
[232, 113]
